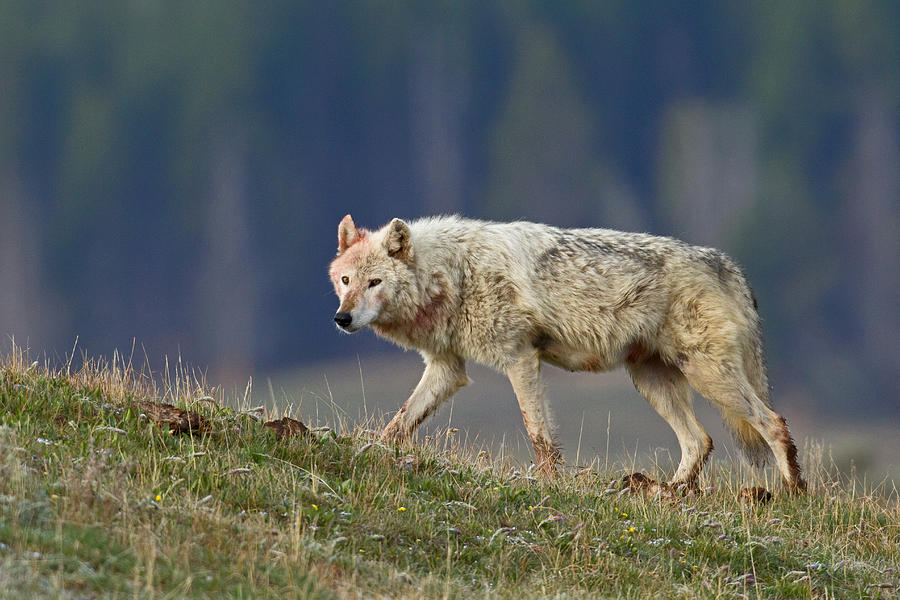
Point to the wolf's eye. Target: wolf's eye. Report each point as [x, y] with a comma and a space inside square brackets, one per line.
[345, 280]
[374, 282]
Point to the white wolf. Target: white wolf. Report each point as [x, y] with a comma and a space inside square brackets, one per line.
[511, 295]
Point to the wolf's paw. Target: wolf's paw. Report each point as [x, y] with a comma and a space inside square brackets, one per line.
[755, 495]
[393, 433]
[686, 488]
[546, 468]
[798, 487]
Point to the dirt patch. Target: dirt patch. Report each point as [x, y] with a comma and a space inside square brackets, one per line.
[287, 427]
[638, 483]
[178, 420]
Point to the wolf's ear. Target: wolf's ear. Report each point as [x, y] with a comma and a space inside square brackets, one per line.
[398, 241]
[347, 234]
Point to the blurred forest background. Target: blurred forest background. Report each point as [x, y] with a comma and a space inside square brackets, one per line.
[174, 172]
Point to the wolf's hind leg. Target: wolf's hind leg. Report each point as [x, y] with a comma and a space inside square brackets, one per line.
[726, 385]
[443, 376]
[666, 389]
[525, 376]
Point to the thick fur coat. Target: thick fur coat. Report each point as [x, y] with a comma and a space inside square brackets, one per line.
[511, 295]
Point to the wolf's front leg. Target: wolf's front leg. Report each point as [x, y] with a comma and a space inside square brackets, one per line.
[443, 376]
[525, 376]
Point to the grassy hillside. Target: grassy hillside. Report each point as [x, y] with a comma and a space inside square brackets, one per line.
[96, 500]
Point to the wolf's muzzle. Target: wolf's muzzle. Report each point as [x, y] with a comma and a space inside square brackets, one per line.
[343, 319]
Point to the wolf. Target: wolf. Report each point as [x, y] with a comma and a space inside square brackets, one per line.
[514, 295]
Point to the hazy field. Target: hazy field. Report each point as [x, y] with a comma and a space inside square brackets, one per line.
[587, 407]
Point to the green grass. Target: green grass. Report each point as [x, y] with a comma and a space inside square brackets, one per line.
[97, 502]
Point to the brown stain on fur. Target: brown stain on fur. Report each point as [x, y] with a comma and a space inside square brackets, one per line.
[637, 353]
[783, 437]
[593, 364]
[431, 311]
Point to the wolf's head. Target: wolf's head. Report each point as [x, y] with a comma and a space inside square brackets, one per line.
[370, 270]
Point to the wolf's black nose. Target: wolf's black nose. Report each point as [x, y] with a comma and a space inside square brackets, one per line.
[343, 318]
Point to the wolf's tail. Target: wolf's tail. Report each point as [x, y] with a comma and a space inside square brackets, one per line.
[751, 443]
